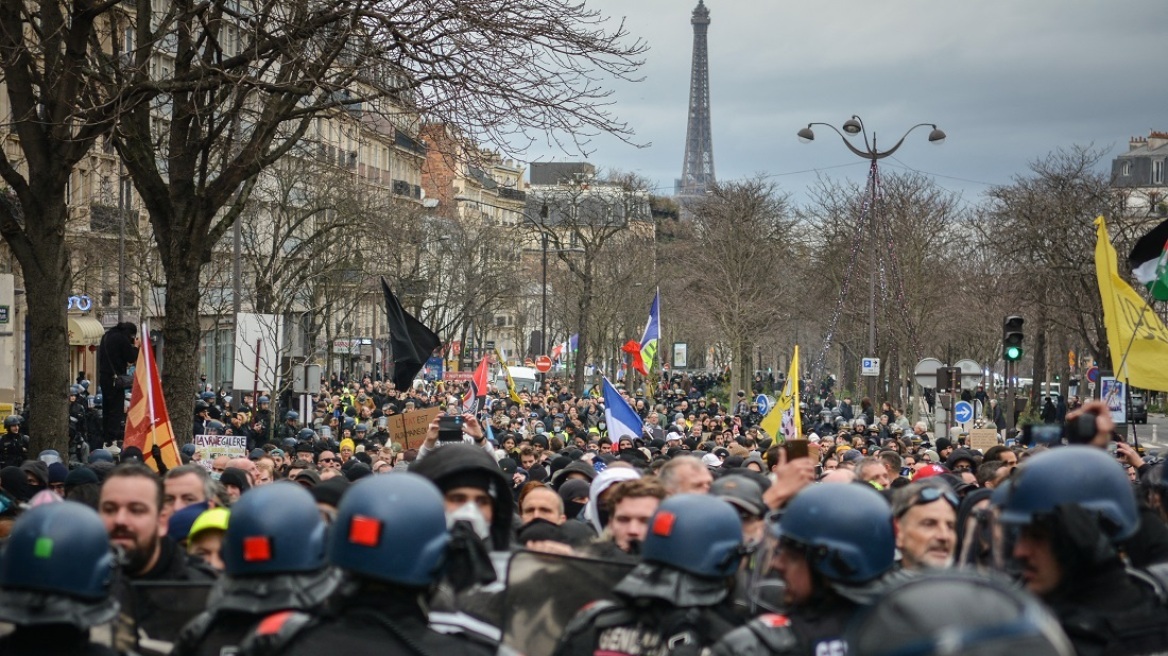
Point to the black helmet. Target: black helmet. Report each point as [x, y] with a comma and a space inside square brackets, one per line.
[13, 420]
[1080, 475]
[847, 530]
[57, 568]
[201, 406]
[392, 529]
[695, 533]
[916, 618]
[306, 435]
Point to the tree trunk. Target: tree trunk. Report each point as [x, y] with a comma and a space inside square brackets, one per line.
[181, 334]
[45, 266]
[582, 331]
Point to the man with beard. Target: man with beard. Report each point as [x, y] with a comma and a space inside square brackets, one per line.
[131, 509]
[926, 524]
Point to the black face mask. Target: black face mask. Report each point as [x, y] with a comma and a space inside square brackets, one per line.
[572, 509]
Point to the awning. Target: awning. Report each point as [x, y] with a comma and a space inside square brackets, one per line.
[84, 331]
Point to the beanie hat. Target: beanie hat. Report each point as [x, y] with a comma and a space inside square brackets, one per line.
[58, 472]
[235, 476]
[81, 476]
[330, 492]
[181, 521]
[347, 442]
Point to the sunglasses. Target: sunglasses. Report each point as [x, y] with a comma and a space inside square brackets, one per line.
[328, 459]
[929, 495]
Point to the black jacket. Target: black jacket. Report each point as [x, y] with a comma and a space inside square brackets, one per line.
[1105, 612]
[114, 354]
[365, 623]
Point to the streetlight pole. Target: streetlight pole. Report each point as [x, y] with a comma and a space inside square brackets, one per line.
[852, 127]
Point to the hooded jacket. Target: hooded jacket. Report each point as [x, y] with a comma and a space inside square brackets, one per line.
[446, 462]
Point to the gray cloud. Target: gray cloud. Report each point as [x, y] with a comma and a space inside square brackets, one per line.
[1009, 81]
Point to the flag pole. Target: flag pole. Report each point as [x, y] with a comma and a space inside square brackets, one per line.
[149, 383]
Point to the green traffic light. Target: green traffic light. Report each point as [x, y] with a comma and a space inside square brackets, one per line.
[1013, 353]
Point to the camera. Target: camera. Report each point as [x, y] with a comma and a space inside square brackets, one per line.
[1042, 435]
[450, 428]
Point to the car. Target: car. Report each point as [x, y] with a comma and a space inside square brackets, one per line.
[1137, 412]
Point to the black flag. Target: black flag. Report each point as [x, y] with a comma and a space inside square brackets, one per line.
[411, 342]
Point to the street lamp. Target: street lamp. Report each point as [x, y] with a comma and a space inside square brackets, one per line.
[852, 127]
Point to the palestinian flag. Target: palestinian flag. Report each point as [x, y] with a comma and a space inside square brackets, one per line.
[1149, 261]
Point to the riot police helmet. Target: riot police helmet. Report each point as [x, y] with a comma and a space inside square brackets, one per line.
[57, 568]
[391, 529]
[695, 533]
[846, 531]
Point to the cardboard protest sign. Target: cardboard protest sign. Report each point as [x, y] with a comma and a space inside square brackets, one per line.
[409, 429]
[213, 446]
[983, 439]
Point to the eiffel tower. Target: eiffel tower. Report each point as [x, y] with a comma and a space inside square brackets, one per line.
[697, 171]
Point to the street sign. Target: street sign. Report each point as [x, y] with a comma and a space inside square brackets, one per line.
[963, 412]
[870, 366]
[1093, 375]
[925, 373]
[764, 404]
[543, 364]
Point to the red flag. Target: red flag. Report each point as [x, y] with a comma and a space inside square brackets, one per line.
[478, 388]
[147, 422]
[633, 348]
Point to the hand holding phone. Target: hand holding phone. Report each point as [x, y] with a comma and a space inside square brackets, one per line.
[450, 428]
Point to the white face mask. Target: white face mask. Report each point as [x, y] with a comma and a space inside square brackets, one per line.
[215, 475]
[470, 513]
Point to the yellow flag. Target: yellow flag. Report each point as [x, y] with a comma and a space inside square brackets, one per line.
[507, 373]
[1133, 329]
[783, 422]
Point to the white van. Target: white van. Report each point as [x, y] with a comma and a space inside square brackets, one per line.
[524, 377]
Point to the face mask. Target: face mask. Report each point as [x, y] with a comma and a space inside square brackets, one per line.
[470, 513]
[601, 425]
[215, 475]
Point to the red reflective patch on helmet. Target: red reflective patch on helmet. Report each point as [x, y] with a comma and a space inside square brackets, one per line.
[663, 523]
[257, 548]
[365, 531]
[272, 624]
[774, 621]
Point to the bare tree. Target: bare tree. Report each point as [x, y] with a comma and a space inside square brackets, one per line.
[581, 218]
[1042, 225]
[240, 86]
[744, 234]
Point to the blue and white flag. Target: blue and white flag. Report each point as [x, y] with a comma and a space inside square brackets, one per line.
[622, 420]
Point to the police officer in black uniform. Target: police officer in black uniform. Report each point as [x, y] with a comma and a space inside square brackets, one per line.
[676, 599]
[13, 443]
[992, 616]
[831, 548]
[390, 536]
[274, 554]
[1062, 515]
[55, 582]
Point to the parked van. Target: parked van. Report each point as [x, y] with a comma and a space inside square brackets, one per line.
[524, 377]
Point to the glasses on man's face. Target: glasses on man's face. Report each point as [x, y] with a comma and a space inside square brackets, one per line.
[328, 460]
[958, 469]
[931, 494]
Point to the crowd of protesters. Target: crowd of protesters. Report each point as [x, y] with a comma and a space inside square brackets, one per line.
[701, 535]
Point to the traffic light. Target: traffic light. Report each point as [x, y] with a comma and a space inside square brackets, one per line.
[1012, 338]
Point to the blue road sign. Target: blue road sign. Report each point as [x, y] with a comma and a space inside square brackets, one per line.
[764, 404]
[1093, 374]
[963, 412]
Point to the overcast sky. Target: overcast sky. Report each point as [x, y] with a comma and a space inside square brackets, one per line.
[1008, 81]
